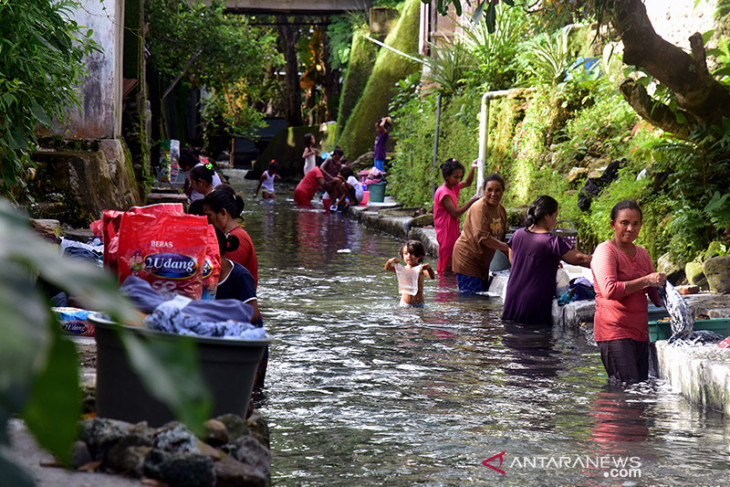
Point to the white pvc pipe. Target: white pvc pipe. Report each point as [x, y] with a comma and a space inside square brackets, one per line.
[484, 130]
[382, 44]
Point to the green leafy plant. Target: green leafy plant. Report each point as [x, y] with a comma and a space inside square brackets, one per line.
[39, 377]
[340, 32]
[41, 62]
[448, 65]
[718, 209]
[201, 45]
[496, 50]
[546, 57]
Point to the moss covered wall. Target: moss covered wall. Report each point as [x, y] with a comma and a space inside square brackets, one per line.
[358, 133]
[361, 65]
[76, 181]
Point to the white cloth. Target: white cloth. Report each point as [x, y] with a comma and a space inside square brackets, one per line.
[309, 163]
[268, 183]
[352, 181]
[407, 278]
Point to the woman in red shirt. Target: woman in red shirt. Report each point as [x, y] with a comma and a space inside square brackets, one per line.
[223, 207]
[308, 186]
[623, 275]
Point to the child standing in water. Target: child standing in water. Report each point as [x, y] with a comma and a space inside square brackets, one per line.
[411, 276]
[267, 181]
[310, 153]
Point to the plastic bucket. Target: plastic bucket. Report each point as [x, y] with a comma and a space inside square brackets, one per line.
[499, 262]
[377, 192]
[228, 367]
[365, 198]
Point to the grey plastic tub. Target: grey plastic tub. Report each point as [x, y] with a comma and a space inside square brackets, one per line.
[228, 367]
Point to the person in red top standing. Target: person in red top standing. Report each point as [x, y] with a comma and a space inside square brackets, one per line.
[623, 275]
[223, 207]
[446, 209]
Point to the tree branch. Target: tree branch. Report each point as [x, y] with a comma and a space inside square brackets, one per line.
[696, 90]
[698, 54]
[654, 112]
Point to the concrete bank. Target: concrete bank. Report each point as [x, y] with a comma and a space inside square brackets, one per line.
[701, 373]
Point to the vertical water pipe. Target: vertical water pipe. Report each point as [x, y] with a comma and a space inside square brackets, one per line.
[483, 134]
[484, 128]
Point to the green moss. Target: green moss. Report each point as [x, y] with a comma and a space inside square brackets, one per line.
[362, 60]
[358, 133]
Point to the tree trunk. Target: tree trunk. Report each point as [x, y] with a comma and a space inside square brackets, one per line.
[288, 36]
[330, 86]
[686, 76]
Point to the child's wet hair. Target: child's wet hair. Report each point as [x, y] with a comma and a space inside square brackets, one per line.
[414, 247]
[273, 165]
[449, 166]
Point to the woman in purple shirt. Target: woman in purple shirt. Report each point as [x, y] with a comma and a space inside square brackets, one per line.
[535, 254]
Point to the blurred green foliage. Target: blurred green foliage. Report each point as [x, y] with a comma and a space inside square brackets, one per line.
[41, 65]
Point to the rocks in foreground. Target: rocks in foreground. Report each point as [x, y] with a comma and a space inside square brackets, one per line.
[234, 451]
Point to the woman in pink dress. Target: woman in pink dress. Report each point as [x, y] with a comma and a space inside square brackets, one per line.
[446, 211]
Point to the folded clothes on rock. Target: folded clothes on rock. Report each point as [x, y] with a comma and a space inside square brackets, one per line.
[217, 318]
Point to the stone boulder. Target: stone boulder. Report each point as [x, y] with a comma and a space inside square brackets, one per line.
[695, 274]
[75, 185]
[674, 272]
[713, 250]
[183, 469]
[425, 220]
[717, 272]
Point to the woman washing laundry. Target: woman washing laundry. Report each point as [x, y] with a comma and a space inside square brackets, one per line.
[535, 254]
[623, 276]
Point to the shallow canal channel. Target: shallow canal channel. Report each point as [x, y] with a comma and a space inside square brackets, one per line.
[362, 392]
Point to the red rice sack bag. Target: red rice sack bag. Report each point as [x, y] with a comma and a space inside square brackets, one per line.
[166, 250]
[96, 227]
[212, 267]
[110, 222]
[159, 208]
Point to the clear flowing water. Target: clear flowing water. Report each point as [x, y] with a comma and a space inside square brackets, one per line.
[362, 392]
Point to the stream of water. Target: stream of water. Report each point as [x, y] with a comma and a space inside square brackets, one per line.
[361, 392]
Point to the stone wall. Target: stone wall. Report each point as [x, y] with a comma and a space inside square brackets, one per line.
[76, 181]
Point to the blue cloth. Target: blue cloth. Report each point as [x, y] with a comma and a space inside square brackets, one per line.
[471, 285]
[169, 317]
[147, 300]
[239, 285]
[379, 164]
[580, 289]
